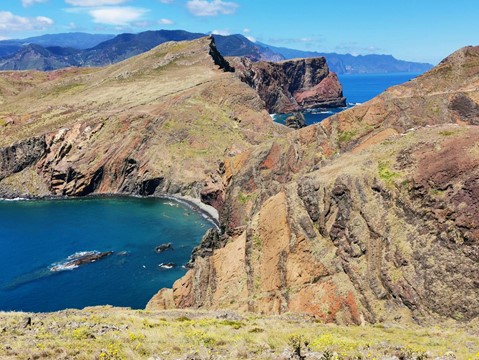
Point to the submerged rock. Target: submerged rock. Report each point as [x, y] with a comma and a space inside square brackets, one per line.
[75, 260]
[295, 121]
[163, 247]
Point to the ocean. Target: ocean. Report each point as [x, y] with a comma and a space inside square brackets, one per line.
[357, 88]
[40, 238]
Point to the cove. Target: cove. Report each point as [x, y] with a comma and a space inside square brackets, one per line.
[38, 238]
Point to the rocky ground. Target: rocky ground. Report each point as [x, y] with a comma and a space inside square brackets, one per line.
[116, 333]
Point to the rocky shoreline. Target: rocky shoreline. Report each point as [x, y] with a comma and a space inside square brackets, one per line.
[210, 213]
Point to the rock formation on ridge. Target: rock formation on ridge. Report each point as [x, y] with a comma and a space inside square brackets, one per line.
[292, 85]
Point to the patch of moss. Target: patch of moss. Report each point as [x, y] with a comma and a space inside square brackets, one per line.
[385, 173]
[346, 136]
[245, 198]
[447, 133]
[437, 192]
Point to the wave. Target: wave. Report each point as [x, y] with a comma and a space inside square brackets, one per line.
[69, 262]
[323, 112]
[172, 204]
[15, 199]
[167, 265]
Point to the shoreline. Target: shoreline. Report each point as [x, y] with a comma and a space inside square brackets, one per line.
[207, 211]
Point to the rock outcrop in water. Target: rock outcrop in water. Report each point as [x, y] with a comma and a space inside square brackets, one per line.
[369, 216]
[82, 258]
[292, 85]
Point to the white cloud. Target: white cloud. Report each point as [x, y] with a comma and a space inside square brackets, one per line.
[355, 48]
[165, 22]
[252, 39]
[116, 15]
[27, 3]
[93, 2]
[246, 30]
[223, 32]
[211, 8]
[10, 22]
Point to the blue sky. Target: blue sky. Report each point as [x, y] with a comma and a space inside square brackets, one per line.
[416, 30]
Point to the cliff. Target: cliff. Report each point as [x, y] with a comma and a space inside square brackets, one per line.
[159, 123]
[292, 85]
[369, 216]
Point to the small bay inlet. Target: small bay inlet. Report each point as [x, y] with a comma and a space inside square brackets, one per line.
[74, 253]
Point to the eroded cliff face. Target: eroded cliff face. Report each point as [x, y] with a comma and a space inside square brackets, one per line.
[159, 123]
[371, 215]
[292, 85]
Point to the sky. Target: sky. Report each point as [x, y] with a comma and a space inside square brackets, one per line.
[414, 30]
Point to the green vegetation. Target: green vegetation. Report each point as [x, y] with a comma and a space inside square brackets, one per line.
[437, 192]
[113, 333]
[447, 132]
[385, 173]
[346, 136]
[245, 198]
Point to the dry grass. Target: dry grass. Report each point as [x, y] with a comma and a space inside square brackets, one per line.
[114, 333]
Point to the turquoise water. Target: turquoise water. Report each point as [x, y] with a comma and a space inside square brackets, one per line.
[37, 235]
[357, 88]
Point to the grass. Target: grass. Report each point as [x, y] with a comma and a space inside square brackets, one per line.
[346, 136]
[114, 333]
[447, 132]
[245, 198]
[385, 173]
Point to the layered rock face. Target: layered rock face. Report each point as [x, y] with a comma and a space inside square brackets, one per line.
[159, 123]
[371, 215]
[292, 85]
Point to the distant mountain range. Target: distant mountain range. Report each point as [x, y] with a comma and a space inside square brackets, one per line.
[50, 52]
[350, 64]
[75, 40]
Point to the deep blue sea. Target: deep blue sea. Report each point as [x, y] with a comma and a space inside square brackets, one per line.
[357, 88]
[37, 235]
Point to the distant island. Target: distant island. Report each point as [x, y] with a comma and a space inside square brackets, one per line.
[56, 51]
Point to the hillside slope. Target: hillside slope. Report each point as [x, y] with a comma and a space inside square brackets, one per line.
[371, 215]
[157, 123]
